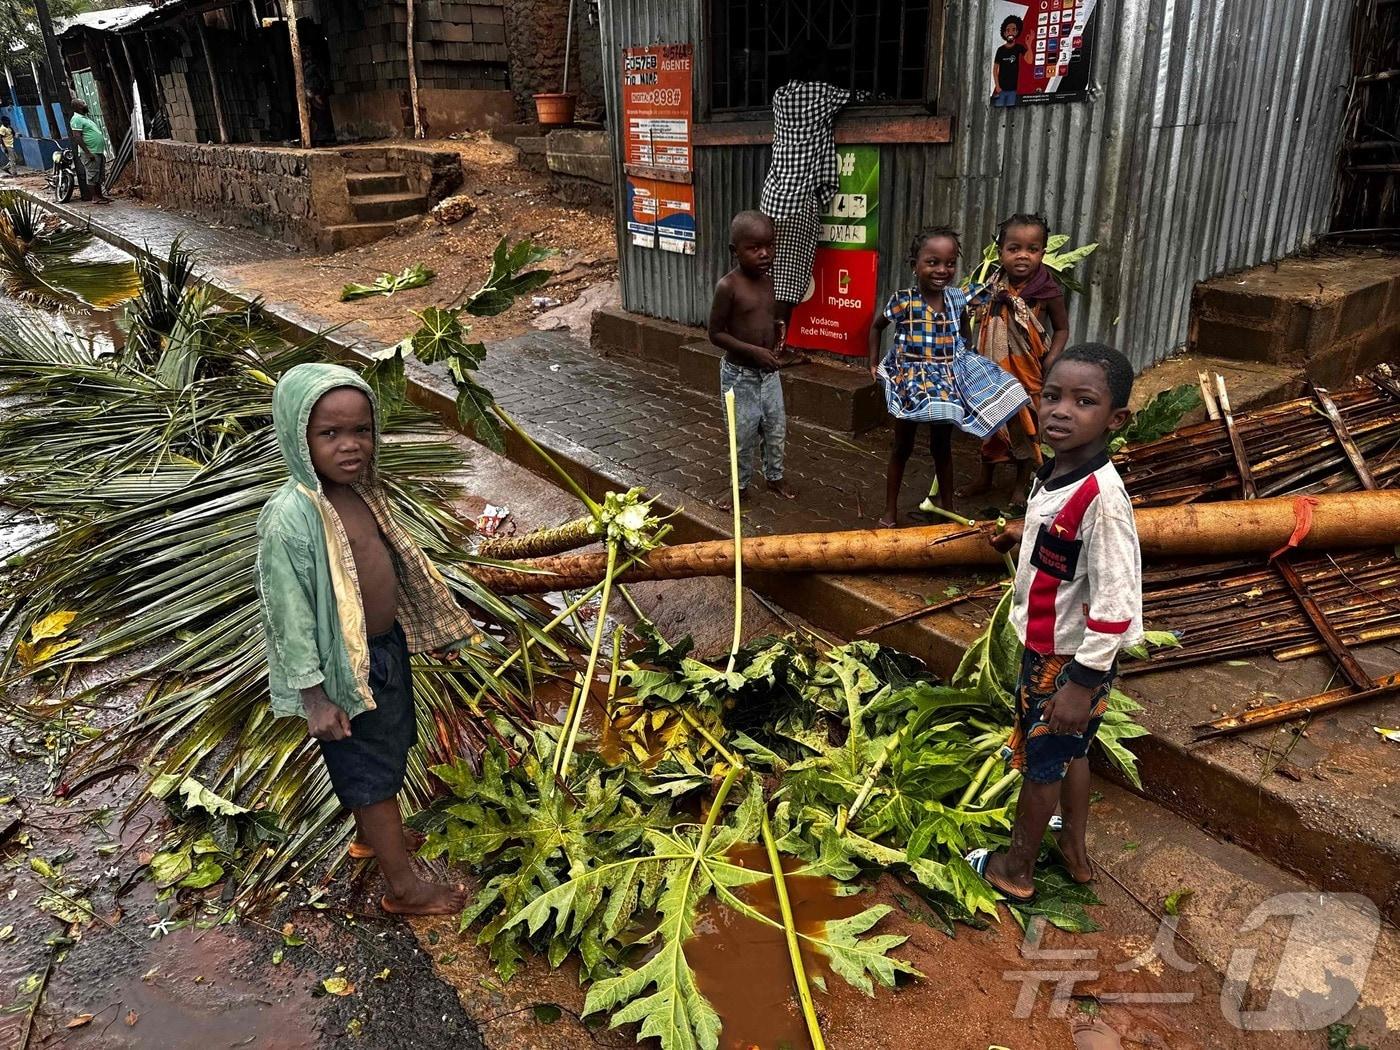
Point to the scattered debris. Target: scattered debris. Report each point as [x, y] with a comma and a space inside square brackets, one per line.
[491, 519]
[453, 209]
[415, 276]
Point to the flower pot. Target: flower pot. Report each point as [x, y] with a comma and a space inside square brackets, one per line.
[555, 110]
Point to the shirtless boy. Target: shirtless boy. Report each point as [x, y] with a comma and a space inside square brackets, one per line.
[744, 324]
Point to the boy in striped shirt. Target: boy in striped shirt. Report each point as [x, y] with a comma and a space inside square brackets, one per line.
[1078, 601]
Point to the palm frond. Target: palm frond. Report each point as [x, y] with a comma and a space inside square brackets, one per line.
[155, 467]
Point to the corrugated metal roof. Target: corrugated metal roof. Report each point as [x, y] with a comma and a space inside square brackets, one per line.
[109, 21]
[1198, 152]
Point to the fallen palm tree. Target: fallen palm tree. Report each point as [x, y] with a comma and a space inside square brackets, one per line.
[1339, 522]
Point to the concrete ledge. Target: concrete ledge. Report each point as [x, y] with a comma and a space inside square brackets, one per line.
[842, 399]
[1330, 316]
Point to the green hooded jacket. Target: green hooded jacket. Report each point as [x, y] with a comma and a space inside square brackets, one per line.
[312, 612]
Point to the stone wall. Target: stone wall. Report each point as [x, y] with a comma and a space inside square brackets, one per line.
[292, 195]
[535, 38]
[268, 190]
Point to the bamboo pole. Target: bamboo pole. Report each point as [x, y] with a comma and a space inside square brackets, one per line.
[298, 74]
[214, 88]
[413, 73]
[1288, 710]
[1214, 530]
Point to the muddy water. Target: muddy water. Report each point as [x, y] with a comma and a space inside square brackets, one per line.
[742, 966]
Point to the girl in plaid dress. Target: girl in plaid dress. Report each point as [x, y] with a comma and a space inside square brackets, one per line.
[929, 374]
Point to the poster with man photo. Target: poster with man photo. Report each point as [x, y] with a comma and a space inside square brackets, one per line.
[1042, 51]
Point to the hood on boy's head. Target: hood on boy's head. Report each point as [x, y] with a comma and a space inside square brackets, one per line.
[293, 399]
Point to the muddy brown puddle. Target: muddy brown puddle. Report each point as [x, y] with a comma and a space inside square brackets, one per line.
[742, 965]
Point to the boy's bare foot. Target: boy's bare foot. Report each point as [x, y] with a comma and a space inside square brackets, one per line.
[1018, 889]
[725, 503]
[782, 488]
[980, 487]
[1076, 859]
[889, 522]
[426, 898]
[361, 850]
[790, 358]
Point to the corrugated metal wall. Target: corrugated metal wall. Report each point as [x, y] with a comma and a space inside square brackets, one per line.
[1210, 144]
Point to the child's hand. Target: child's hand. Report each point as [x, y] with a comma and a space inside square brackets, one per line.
[1008, 538]
[875, 370]
[1068, 710]
[769, 360]
[324, 720]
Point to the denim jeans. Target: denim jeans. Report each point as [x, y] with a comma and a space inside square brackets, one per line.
[759, 416]
[1004, 99]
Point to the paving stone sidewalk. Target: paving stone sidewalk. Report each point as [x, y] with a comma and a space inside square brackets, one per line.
[640, 425]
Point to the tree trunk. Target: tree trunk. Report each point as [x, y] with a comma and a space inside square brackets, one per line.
[1199, 530]
[541, 542]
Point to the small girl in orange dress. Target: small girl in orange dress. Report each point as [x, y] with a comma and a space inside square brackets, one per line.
[1022, 325]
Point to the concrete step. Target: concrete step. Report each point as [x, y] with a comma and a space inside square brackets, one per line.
[385, 207]
[368, 183]
[1330, 316]
[833, 395]
[353, 235]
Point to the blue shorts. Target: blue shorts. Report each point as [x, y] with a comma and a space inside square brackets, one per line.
[1004, 99]
[1042, 756]
[369, 765]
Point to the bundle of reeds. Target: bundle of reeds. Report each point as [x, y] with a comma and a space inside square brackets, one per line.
[1292, 449]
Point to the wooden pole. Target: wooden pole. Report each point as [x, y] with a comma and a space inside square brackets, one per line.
[298, 75]
[213, 79]
[1198, 530]
[413, 74]
[117, 84]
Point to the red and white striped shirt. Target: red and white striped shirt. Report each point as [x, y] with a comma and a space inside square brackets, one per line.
[1079, 577]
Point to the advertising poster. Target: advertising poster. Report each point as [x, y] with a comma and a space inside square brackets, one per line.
[675, 217]
[841, 304]
[1041, 51]
[641, 212]
[656, 105]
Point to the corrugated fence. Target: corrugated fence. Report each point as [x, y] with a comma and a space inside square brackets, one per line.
[1209, 144]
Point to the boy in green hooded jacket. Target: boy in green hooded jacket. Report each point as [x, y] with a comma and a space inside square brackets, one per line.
[346, 596]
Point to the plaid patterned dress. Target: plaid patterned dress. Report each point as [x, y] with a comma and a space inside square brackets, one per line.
[930, 376]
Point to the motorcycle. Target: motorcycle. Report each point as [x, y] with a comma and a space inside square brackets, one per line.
[61, 177]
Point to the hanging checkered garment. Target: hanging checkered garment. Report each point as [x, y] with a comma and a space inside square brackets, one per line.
[801, 178]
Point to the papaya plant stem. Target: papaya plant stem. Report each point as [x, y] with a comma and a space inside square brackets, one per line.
[709, 738]
[799, 973]
[738, 526]
[844, 818]
[982, 773]
[566, 750]
[998, 789]
[616, 656]
[944, 512]
[548, 460]
[713, 815]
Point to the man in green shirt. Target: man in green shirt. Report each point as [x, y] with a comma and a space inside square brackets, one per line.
[92, 151]
[7, 145]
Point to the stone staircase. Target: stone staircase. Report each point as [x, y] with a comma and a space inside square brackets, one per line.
[378, 199]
